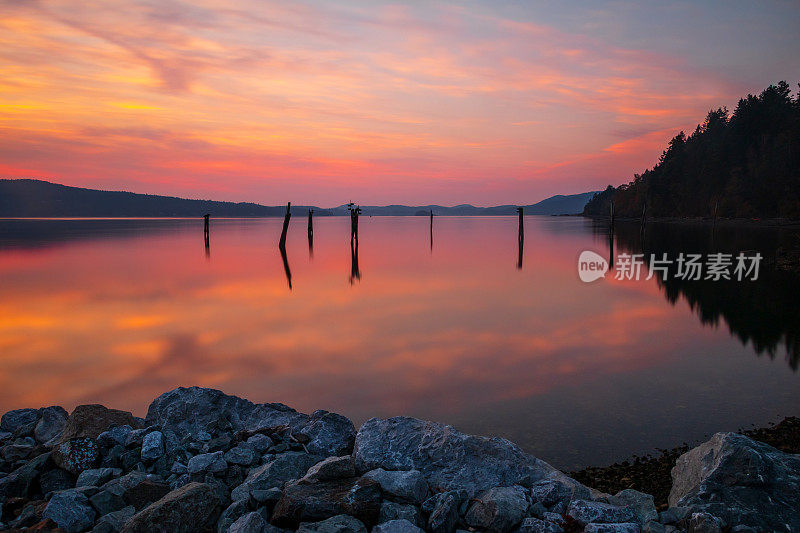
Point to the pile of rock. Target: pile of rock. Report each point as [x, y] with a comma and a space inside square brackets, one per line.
[205, 461]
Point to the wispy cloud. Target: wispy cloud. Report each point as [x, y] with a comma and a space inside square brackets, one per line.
[313, 101]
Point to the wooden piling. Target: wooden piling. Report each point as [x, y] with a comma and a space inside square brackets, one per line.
[520, 239]
[431, 229]
[282, 242]
[206, 218]
[354, 212]
[311, 231]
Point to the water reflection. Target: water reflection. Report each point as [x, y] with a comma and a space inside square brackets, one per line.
[764, 312]
[118, 312]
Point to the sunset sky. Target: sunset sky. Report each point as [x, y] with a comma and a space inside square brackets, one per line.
[324, 102]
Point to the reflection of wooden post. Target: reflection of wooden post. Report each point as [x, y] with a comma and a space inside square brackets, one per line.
[286, 268]
[520, 239]
[644, 217]
[612, 216]
[286, 218]
[355, 272]
[716, 208]
[206, 233]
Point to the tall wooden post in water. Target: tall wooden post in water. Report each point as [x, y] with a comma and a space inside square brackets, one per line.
[311, 231]
[431, 229]
[520, 239]
[282, 242]
[354, 212]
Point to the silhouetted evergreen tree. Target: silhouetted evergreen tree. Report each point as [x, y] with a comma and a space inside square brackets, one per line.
[745, 164]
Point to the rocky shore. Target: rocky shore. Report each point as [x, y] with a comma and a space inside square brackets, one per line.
[203, 461]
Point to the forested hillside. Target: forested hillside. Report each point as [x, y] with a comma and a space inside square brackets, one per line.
[744, 164]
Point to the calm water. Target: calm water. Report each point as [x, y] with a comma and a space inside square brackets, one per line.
[117, 312]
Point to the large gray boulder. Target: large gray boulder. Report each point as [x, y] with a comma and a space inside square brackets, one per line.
[20, 482]
[397, 526]
[407, 486]
[449, 459]
[192, 410]
[741, 481]
[50, 425]
[18, 418]
[70, 509]
[587, 512]
[498, 509]
[285, 467]
[192, 508]
[310, 502]
[335, 524]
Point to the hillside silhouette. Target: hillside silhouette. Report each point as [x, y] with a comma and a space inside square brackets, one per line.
[740, 165]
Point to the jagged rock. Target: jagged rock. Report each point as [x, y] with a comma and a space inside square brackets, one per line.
[70, 509]
[189, 411]
[654, 527]
[498, 509]
[115, 521]
[231, 514]
[20, 481]
[446, 457]
[407, 486]
[397, 526]
[89, 421]
[77, 455]
[627, 527]
[106, 502]
[50, 425]
[207, 462]
[112, 495]
[18, 418]
[330, 468]
[95, 477]
[555, 495]
[16, 452]
[400, 511]
[117, 435]
[641, 503]
[189, 509]
[249, 523]
[536, 525]
[152, 446]
[178, 468]
[705, 523]
[260, 443]
[443, 510]
[360, 498]
[335, 524]
[144, 493]
[268, 497]
[328, 434]
[586, 512]
[741, 481]
[242, 455]
[285, 467]
[54, 480]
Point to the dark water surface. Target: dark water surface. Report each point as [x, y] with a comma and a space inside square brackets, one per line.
[119, 311]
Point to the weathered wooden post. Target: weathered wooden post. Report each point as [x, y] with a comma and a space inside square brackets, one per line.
[354, 212]
[431, 229]
[282, 242]
[520, 239]
[311, 231]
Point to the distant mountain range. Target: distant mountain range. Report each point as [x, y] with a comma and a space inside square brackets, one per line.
[37, 198]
